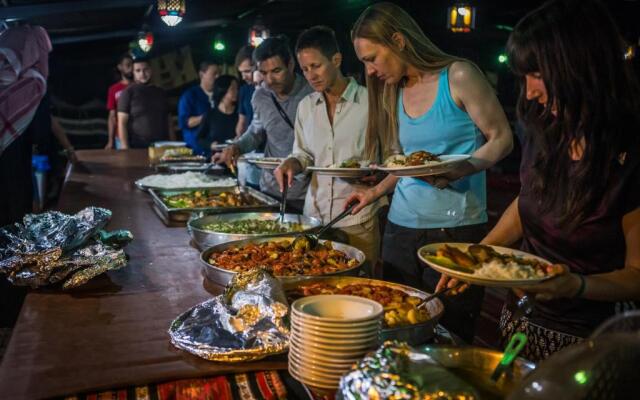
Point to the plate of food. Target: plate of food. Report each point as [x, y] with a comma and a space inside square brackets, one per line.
[351, 168]
[487, 265]
[282, 257]
[422, 163]
[403, 319]
[265, 162]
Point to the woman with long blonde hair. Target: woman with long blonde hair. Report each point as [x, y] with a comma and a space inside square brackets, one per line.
[421, 98]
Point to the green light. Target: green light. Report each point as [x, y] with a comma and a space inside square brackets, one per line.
[505, 28]
[218, 45]
[502, 58]
[581, 377]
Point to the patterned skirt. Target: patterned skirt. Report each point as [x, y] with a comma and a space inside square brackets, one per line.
[541, 341]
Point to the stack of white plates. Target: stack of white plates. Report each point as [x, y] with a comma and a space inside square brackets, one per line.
[329, 333]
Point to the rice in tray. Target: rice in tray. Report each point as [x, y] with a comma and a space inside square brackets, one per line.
[495, 269]
[185, 180]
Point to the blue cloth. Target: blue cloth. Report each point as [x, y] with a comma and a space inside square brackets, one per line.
[193, 102]
[244, 102]
[444, 128]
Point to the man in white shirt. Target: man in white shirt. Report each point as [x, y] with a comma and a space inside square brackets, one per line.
[330, 128]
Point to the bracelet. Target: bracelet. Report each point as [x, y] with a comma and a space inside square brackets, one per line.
[583, 285]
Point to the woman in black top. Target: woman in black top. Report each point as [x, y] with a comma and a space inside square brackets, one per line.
[220, 123]
[579, 203]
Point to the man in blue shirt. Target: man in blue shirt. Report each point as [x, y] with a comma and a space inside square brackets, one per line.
[195, 102]
[245, 66]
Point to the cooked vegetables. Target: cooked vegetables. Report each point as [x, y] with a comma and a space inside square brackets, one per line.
[205, 198]
[282, 259]
[352, 163]
[416, 158]
[254, 226]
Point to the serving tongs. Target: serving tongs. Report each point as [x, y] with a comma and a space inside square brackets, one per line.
[232, 167]
[310, 240]
[283, 203]
[516, 344]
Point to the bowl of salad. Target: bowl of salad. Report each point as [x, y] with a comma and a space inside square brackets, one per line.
[210, 230]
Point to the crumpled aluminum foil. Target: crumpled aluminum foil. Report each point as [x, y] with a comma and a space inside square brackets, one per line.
[51, 247]
[397, 371]
[245, 323]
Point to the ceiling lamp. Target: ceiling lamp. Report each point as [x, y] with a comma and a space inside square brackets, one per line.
[257, 35]
[218, 43]
[461, 18]
[171, 11]
[145, 41]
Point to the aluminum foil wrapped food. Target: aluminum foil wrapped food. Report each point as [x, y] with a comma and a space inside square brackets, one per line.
[398, 372]
[52, 247]
[247, 322]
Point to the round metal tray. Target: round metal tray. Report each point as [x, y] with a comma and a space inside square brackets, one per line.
[222, 276]
[475, 365]
[204, 238]
[413, 334]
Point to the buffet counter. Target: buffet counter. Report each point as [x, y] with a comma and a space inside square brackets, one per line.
[112, 332]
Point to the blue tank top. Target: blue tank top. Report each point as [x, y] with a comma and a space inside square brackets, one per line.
[444, 128]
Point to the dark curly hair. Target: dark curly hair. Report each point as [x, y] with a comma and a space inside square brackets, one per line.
[576, 47]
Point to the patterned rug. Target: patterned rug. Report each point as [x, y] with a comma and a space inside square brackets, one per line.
[264, 385]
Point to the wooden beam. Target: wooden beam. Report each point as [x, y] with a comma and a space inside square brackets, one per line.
[64, 7]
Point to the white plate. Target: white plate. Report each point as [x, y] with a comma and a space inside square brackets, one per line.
[338, 352]
[319, 383]
[337, 345]
[370, 325]
[331, 337]
[306, 371]
[340, 309]
[342, 172]
[265, 162]
[323, 368]
[472, 278]
[332, 334]
[318, 359]
[328, 372]
[448, 163]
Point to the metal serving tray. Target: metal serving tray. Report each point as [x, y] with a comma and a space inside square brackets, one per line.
[413, 334]
[204, 239]
[222, 276]
[183, 214]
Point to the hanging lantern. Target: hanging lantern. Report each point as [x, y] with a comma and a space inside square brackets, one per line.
[171, 11]
[145, 41]
[630, 52]
[257, 34]
[462, 18]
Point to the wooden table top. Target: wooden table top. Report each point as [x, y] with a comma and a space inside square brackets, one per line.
[112, 332]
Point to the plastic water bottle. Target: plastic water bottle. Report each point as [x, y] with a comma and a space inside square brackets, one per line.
[40, 166]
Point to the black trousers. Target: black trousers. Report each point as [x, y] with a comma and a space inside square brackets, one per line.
[401, 264]
[16, 201]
